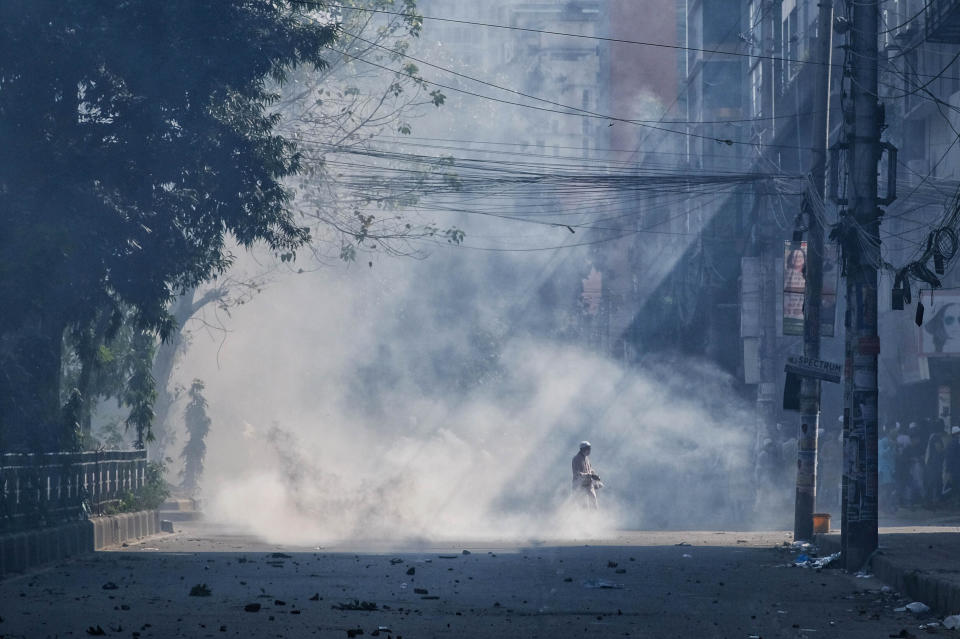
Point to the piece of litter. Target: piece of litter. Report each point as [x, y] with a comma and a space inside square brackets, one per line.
[951, 622]
[601, 583]
[686, 556]
[900, 609]
[886, 589]
[804, 561]
[863, 574]
[917, 607]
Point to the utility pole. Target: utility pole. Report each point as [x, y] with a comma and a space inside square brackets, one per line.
[806, 495]
[768, 249]
[862, 257]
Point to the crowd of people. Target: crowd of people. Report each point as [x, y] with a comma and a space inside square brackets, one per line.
[919, 465]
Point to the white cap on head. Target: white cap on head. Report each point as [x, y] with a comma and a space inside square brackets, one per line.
[955, 430]
[584, 444]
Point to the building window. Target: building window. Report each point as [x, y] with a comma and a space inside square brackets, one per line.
[756, 90]
[791, 40]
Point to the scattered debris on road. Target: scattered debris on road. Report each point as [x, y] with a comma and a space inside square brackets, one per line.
[356, 604]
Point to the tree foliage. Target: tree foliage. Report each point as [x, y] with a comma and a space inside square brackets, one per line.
[195, 450]
[369, 93]
[136, 136]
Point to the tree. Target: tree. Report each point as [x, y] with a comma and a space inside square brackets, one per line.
[136, 137]
[198, 425]
[347, 104]
[107, 361]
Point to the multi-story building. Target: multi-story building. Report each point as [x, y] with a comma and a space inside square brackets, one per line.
[920, 89]
[747, 75]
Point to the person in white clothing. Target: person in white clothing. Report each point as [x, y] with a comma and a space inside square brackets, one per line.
[585, 481]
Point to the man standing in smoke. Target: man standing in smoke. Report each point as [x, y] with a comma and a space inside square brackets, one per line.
[585, 481]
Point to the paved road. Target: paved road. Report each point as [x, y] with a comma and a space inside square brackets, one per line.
[728, 584]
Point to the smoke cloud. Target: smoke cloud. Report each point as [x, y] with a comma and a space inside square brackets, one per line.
[403, 402]
[445, 397]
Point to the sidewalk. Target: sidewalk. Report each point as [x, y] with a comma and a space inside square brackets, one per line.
[922, 562]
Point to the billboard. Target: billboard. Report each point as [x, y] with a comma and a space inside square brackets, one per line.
[940, 332]
[828, 292]
[795, 284]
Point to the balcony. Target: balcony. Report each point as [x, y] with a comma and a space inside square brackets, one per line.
[943, 21]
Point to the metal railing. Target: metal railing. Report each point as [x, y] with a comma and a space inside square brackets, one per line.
[38, 490]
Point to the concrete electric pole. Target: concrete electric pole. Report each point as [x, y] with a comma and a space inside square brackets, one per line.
[806, 495]
[861, 252]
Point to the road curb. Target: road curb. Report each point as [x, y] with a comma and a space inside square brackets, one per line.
[941, 595]
[27, 549]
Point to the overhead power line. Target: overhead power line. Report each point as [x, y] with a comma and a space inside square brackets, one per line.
[577, 110]
[583, 114]
[491, 25]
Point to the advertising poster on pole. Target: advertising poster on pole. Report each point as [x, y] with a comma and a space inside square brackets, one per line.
[828, 292]
[940, 332]
[794, 286]
[795, 283]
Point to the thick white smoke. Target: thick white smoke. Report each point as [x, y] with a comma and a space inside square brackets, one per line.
[355, 402]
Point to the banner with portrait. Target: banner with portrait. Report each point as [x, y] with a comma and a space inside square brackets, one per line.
[940, 333]
[795, 286]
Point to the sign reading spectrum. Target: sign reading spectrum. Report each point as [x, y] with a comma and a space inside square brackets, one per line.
[811, 367]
